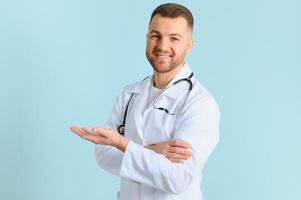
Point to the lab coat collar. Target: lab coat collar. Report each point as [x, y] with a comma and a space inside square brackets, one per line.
[171, 92]
[141, 86]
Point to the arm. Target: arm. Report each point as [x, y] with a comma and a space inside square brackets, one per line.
[199, 127]
[108, 157]
[174, 150]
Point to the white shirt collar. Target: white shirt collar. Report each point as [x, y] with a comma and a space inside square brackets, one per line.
[172, 93]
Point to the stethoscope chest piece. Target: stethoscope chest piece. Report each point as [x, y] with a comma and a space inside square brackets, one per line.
[121, 129]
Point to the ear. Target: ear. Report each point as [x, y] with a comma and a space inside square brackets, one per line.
[189, 46]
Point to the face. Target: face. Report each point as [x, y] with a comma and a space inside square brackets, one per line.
[168, 41]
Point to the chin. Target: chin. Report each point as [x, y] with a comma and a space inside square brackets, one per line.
[161, 67]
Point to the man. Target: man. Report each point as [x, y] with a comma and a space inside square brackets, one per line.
[171, 121]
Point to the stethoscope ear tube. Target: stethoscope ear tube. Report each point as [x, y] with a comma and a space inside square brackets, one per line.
[188, 79]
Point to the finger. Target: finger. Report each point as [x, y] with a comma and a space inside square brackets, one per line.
[85, 134]
[91, 138]
[179, 150]
[77, 130]
[74, 128]
[95, 139]
[102, 131]
[176, 156]
[179, 143]
[98, 129]
[86, 130]
[174, 160]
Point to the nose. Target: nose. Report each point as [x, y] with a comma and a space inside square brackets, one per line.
[163, 44]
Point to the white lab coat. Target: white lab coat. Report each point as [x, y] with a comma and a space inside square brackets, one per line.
[146, 175]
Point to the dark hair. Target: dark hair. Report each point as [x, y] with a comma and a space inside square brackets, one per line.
[173, 10]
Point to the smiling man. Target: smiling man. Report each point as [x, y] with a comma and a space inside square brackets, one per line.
[162, 129]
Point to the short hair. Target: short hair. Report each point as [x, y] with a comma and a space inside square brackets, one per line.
[173, 10]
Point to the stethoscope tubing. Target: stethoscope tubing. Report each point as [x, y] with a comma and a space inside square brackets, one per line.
[121, 128]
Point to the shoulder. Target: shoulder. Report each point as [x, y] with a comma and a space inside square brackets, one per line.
[136, 87]
[200, 100]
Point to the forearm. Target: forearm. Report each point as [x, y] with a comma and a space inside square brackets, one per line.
[153, 169]
[109, 158]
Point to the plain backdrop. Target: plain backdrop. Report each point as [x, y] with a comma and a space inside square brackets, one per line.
[63, 62]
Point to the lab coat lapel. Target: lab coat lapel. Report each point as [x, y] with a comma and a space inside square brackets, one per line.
[174, 94]
[169, 99]
[140, 91]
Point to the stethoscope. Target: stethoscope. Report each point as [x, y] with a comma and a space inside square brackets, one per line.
[121, 128]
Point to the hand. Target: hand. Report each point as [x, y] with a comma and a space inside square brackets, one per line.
[174, 150]
[102, 136]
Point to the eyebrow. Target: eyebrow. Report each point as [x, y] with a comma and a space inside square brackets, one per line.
[176, 34]
[172, 34]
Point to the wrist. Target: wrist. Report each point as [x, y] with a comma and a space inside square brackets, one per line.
[150, 147]
[121, 143]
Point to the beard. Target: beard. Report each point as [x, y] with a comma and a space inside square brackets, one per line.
[163, 66]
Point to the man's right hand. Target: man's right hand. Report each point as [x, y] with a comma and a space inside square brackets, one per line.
[174, 150]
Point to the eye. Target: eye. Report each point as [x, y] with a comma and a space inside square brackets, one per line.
[174, 39]
[156, 37]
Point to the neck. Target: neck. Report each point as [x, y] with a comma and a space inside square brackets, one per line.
[161, 80]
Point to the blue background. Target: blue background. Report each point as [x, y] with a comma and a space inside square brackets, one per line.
[64, 62]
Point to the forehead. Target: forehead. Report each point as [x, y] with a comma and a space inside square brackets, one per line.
[166, 25]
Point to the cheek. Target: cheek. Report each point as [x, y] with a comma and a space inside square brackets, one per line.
[178, 50]
[149, 46]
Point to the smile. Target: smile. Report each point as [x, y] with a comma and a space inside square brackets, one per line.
[163, 56]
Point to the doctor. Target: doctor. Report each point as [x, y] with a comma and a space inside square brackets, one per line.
[162, 129]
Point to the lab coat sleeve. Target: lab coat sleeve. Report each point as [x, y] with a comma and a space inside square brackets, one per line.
[109, 158]
[199, 126]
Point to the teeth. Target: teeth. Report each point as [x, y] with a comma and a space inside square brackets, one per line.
[163, 56]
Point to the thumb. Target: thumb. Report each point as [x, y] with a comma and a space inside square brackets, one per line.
[99, 131]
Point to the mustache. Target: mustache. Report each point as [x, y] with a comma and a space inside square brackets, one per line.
[165, 52]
